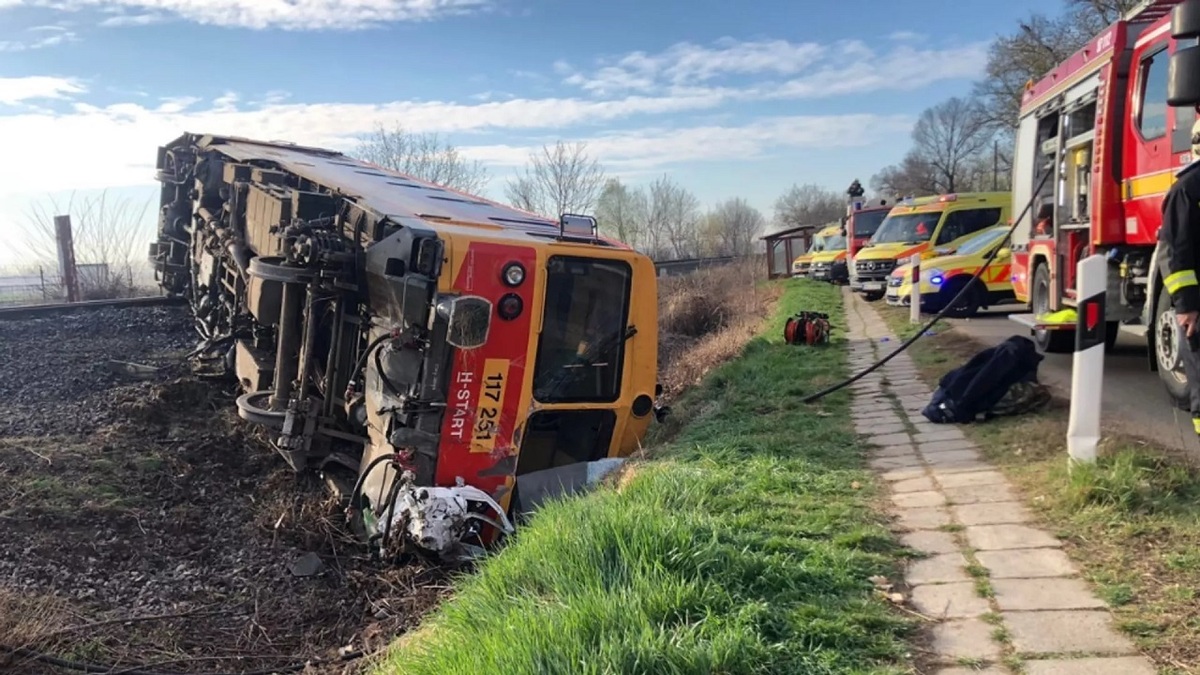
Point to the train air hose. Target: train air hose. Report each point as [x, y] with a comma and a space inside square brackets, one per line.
[938, 317]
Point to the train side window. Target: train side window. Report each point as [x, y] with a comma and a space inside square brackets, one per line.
[1152, 103]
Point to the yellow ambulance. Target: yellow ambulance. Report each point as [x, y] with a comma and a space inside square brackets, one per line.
[919, 226]
[944, 276]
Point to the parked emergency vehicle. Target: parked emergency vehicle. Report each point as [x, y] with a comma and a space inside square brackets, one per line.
[1112, 125]
[917, 226]
[802, 263]
[944, 276]
[830, 262]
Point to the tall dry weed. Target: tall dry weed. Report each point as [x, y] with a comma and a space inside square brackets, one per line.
[706, 318]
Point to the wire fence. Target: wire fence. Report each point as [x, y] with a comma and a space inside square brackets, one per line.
[43, 284]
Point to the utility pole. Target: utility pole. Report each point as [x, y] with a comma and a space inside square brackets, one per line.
[995, 165]
[66, 256]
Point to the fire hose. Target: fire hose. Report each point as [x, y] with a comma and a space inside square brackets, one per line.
[937, 317]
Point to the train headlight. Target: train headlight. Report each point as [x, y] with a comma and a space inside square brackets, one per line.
[514, 274]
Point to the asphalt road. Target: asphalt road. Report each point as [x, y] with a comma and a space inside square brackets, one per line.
[1134, 399]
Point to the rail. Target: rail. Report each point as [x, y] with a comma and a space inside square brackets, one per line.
[27, 311]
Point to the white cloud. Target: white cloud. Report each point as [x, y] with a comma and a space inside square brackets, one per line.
[14, 90]
[778, 68]
[261, 14]
[46, 36]
[115, 144]
[120, 20]
[658, 147]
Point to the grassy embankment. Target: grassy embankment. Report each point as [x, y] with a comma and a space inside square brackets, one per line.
[745, 544]
[1131, 522]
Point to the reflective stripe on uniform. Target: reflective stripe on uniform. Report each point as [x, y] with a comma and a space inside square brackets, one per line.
[1180, 280]
[1196, 424]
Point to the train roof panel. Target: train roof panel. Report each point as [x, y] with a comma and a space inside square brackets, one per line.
[386, 191]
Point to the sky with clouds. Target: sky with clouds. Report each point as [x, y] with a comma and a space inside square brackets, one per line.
[730, 99]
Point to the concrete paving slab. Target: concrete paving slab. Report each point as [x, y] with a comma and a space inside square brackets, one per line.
[902, 474]
[959, 670]
[898, 450]
[1084, 631]
[914, 485]
[910, 500]
[961, 466]
[1041, 594]
[948, 446]
[996, 513]
[940, 436]
[889, 463]
[950, 457]
[931, 542]
[966, 639]
[981, 494]
[884, 440]
[1027, 563]
[1003, 537]
[925, 518]
[972, 479]
[1125, 665]
[883, 429]
[950, 601]
[945, 568]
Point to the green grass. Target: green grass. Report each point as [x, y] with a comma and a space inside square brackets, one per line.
[745, 545]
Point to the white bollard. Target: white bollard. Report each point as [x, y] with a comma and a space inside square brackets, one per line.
[1087, 371]
[914, 314]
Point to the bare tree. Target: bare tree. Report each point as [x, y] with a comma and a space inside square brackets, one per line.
[732, 227]
[1105, 11]
[947, 138]
[559, 179]
[808, 205]
[1038, 44]
[673, 223]
[107, 234]
[623, 212]
[422, 156]
[910, 178]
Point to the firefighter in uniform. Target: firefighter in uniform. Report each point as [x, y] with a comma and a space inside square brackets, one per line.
[1179, 237]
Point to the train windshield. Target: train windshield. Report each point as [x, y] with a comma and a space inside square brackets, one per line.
[582, 346]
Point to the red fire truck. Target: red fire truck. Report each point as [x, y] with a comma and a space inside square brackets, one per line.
[860, 223]
[1100, 125]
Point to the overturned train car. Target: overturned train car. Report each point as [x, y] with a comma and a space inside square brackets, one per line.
[439, 358]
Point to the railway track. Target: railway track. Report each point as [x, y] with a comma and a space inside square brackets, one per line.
[29, 311]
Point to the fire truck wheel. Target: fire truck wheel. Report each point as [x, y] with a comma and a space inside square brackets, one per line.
[1166, 350]
[1049, 341]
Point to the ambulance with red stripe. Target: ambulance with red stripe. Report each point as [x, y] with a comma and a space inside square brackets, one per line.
[944, 277]
[919, 226]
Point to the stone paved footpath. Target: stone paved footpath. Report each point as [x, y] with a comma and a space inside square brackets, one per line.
[961, 512]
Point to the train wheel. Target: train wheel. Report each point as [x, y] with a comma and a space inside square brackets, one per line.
[1166, 350]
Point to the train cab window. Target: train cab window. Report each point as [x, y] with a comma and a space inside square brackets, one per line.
[1152, 105]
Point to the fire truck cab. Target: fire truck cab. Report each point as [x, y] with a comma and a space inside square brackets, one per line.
[1099, 141]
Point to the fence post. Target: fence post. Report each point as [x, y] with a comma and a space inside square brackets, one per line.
[42, 274]
[66, 256]
[1087, 371]
[914, 314]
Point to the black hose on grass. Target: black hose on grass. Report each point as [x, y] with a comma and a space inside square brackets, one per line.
[937, 317]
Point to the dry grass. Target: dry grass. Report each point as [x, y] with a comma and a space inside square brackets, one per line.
[706, 319]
